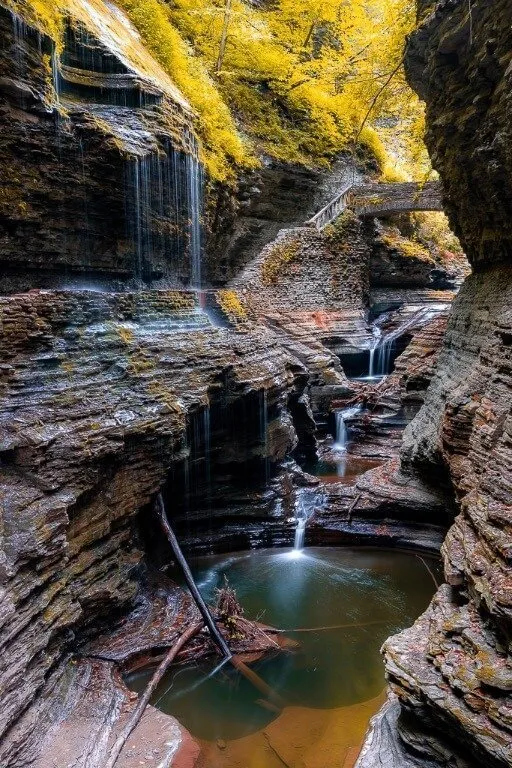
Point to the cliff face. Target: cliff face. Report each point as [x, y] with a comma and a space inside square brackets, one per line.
[99, 169]
[459, 63]
[452, 671]
[97, 391]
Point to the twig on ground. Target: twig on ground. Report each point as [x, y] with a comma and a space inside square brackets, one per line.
[429, 570]
[144, 699]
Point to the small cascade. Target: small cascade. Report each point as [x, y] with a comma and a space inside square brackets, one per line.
[263, 409]
[300, 532]
[385, 345]
[371, 363]
[301, 518]
[377, 335]
[384, 356]
[305, 506]
[341, 417]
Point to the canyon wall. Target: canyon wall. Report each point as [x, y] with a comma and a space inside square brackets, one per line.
[99, 164]
[101, 397]
[452, 671]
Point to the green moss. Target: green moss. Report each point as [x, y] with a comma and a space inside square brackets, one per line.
[231, 305]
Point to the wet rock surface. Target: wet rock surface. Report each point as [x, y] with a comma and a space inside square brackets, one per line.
[96, 393]
[450, 671]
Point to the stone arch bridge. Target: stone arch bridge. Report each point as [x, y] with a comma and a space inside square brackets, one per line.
[380, 200]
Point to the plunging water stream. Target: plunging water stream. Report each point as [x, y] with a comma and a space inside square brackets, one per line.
[341, 417]
[164, 206]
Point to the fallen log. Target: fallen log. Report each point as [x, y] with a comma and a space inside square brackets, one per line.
[258, 682]
[146, 696]
[178, 554]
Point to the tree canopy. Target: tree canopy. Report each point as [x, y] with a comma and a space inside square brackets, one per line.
[299, 80]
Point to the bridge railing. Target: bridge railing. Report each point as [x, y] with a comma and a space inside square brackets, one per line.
[333, 209]
[380, 199]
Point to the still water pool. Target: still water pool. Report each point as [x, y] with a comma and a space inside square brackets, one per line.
[338, 605]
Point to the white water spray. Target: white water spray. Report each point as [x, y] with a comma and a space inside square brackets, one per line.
[300, 533]
[341, 416]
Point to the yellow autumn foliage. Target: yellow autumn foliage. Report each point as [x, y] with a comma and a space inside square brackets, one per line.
[295, 79]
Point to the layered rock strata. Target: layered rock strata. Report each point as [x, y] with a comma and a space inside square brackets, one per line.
[451, 671]
[96, 393]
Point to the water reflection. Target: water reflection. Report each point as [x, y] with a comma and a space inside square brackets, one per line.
[339, 605]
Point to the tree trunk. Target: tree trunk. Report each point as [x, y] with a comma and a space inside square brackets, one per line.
[223, 37]
[178, 554]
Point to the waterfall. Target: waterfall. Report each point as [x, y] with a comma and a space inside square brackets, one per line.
[301, 518]
[384, 356]
[164, 209]
[19, 34]
[194, 197]
[207, 447]
[305, 506]
[384, 349]
[377, 335]
[370, 367]
[341, 416]
[264, 431]
[300, 532]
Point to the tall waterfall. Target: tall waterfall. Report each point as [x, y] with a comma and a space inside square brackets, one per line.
[263, 417]
[164, 211]
[194, 199]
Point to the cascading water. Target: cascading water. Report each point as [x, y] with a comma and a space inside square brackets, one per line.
[264, 431]
[300, 531]
[305, 506]
[377, 335]
[207, 451]
[384, 346]
[164, 210]
[194, 197]
[341, 416]
[384, 356]
[19, 34]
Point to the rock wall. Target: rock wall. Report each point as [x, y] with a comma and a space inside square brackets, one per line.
[96, 394]
[452, 670]
[458, 62]
[97, 155]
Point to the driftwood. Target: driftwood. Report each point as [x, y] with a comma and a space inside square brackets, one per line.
[355, 625]
[258, 682]
[429, 570]
[352, 507]
[144, 699]
[178, 554]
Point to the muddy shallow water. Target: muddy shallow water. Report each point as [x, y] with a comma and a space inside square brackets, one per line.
[338, 605]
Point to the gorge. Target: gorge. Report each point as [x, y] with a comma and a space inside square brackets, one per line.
[284, 349]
